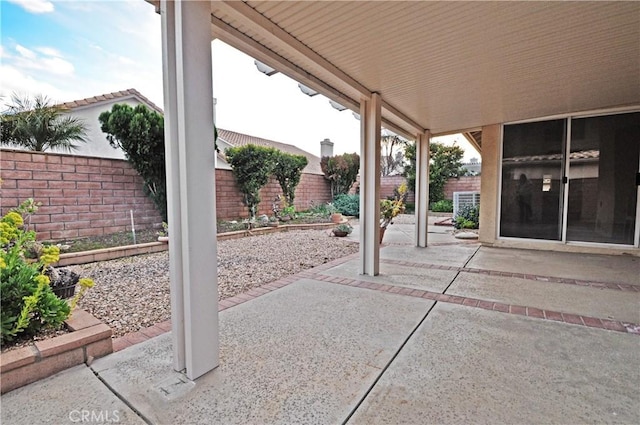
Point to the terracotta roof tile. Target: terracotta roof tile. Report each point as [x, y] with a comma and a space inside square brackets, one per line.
[108, 96]
[239, 139]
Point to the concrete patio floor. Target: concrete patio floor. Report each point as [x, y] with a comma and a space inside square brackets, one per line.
[452, 333]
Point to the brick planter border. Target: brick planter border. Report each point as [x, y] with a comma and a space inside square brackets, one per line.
[89, 338]
[105, 254]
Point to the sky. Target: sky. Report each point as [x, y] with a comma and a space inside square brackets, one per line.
[69, 50]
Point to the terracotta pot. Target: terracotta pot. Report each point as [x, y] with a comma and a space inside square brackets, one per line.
[382, 230]
[336, 218]
[339, 233]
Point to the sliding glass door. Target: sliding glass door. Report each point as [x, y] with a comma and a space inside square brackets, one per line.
[532, 190]
[603, 164]
[596, 160]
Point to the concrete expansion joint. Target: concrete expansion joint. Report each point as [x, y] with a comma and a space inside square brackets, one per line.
[532, 312]
[615, 286]
[120, 396]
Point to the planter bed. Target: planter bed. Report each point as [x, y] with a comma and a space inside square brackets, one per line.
[280, 228]
[89, 338]
[114, 253]
[109, 253]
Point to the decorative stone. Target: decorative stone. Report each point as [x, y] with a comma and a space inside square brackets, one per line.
[466, 235]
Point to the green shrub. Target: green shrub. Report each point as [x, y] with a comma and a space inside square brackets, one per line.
[445, 205]
[28, 302]
[341, 171]
[139, 132]
[409, 208]
[468, 217]
[347, 204]
[321, 209]
[251, 166]
[288, 171]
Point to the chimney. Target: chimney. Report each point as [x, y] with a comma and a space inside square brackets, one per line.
[326, 148]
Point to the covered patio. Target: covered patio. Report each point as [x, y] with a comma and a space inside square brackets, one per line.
[417, 68]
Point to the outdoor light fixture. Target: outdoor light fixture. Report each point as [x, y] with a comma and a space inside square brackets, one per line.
[356, 116]
[265, 69]
[337, 106]
[306, 90]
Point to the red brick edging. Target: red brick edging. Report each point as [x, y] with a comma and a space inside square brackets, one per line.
[592, 322]
[89, 339]
[541, 278]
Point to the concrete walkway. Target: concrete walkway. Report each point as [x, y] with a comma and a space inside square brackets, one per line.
[452, 333]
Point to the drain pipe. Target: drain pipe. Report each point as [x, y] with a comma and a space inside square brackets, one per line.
[133, 228]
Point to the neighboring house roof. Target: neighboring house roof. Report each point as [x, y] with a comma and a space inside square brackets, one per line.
[118, 95]
[239, 139]
[592, 154]
[229, 137]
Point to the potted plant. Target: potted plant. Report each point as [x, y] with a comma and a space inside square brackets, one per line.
[163, 235]
[336, 216]
[390, 208]
[342, 230]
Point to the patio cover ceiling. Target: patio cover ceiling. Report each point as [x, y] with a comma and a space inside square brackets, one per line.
[447, 66]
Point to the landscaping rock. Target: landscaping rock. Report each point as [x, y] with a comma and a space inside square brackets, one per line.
[133, 293]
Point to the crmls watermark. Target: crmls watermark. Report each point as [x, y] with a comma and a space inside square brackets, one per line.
[94, 416]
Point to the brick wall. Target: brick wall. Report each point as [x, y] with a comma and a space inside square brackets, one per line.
[86, 196]
[461, 184]
[313, 189]
[80, 196]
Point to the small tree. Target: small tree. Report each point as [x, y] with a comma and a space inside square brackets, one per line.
[288, 171]
[39, 126]
[341, 171]
[445, 162]
[392, 156]
[139, 132]
[252, 166]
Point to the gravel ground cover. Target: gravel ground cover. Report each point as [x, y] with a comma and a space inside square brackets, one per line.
[133, 293]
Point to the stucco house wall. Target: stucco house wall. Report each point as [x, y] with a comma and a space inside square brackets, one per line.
[97, 144]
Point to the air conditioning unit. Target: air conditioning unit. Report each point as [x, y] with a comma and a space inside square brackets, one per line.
[461, 199]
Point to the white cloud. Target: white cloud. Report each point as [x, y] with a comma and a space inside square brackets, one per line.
[24, 52]
[49, 51]
[126, 61]
[58, 66]
[15, 81]
[34, 6]
[40, 64]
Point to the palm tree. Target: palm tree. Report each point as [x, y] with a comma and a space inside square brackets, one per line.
[37, 125]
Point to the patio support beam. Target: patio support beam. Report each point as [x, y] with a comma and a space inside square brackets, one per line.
[422, 188]
[186, 46]
[370, 111]
[264, 27]
[251, 47]
[259, 23]
[472, 142]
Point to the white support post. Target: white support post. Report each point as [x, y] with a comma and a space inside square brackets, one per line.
[422, 188]
[189, 136]
[370, 119]
[167, 11]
